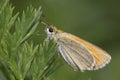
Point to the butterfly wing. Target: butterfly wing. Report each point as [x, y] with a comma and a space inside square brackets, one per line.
[81, 54]
[75, 54]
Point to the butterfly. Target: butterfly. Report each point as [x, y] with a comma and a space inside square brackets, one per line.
[78, 53]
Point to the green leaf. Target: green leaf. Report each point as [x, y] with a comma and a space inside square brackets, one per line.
[21, 59]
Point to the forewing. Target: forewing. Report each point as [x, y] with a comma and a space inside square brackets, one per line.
[75, 54]
[84, 50]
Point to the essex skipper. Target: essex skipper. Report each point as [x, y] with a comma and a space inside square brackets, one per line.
[78, 53]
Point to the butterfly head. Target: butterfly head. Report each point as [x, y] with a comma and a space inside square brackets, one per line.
[51, 32]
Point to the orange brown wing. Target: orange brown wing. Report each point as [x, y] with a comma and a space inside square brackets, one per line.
[100, 56]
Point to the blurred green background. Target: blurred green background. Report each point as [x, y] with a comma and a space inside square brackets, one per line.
[97, 21]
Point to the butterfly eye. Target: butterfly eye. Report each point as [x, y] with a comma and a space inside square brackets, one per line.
[51, 30]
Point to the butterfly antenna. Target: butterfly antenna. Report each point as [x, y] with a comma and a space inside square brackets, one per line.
[44, 23]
